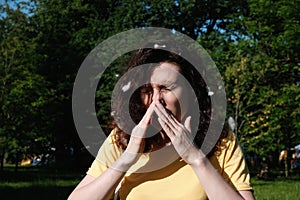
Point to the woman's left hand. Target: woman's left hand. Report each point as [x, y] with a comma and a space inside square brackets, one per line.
[179, 134]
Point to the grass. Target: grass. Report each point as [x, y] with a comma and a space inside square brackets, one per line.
[36, 184]
[277, 189]
[43, 189]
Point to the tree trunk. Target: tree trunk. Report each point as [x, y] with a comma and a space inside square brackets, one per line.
[17, 162]
[2, 156]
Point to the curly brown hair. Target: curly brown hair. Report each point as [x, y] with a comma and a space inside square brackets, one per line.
[137, 109]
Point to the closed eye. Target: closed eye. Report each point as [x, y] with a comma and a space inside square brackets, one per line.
[147, 89]
[167, 88]
[163, 88]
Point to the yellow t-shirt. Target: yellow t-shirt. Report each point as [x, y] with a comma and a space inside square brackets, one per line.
[162, 175]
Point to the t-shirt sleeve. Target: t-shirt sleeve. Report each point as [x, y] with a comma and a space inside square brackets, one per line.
[107, 155]
[234, 167]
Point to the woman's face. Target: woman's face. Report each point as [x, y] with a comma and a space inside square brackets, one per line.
[168, 87]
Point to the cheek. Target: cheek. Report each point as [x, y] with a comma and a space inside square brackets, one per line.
[146, 98]
[177, 107]
[172, 102]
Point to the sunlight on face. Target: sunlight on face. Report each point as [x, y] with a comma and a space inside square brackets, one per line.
[170, 89]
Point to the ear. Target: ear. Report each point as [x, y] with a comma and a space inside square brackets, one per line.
[187, 123]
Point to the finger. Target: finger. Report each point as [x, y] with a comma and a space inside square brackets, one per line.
[160, 114]
[167, 116]
[164, 118]
[187, 123]
[147, 117]
[166, 128]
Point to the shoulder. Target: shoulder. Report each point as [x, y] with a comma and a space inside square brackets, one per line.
[229, 150]
[109, 151]
[107, 155]
[232, 164]
[226, 143]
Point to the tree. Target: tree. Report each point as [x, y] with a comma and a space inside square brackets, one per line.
[254, 43]
[263, 78]
[24, 94]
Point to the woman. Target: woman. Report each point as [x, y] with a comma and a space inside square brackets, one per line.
[163, 110]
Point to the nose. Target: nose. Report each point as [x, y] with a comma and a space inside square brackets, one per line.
[158, 96]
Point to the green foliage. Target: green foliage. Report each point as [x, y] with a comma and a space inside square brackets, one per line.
[254, 43]
[24, 95]
[263, 79]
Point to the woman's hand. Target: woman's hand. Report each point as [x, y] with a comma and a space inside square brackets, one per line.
[136, 143]
[179, 134]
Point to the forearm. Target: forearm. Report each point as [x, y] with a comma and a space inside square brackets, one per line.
[213, 183]
[102, 187]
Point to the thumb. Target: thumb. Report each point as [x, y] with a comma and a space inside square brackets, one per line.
[187, 123]
[147, 117]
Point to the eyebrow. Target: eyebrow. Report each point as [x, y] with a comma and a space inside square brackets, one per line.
[165, 83]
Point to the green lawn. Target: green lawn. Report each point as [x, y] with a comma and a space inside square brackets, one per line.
[37, 190]
[37, 184]
[281, 189]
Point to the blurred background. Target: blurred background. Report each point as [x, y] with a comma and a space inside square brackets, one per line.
[254, 43]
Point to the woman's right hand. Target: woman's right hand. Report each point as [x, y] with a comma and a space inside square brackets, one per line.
[136, 143]
[108, 181]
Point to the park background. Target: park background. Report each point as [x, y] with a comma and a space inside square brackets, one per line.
[254, 43]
